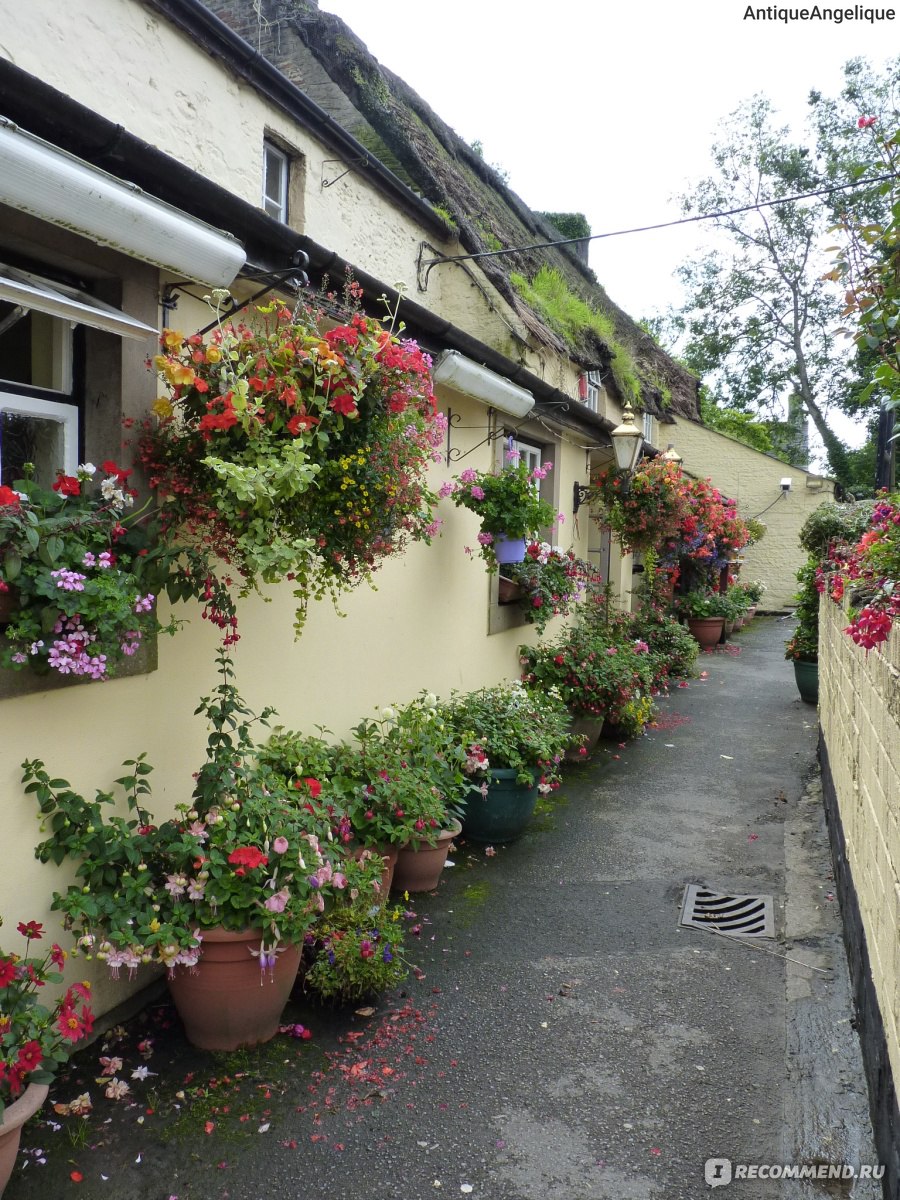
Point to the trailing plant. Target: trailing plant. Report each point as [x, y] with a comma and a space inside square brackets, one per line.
[646, 509]
[288, 451]
[76, 568]
[552, 581]
[870, 570]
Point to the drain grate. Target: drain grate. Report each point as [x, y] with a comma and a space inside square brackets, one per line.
[723, 912]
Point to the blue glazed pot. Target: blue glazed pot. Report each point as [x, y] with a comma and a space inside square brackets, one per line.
[502, 815]
[509, 550]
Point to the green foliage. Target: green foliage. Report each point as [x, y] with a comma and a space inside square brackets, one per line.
[519, 730]
[507, 503]
[804, 645]
[552, 581]
[569, 315]
[446, 216]
[832, 522]
[702, 603]
[743, 426]
[358, 954]
[570, 225]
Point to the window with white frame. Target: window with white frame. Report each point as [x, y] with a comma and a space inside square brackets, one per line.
[38, 415]
[648, 427]
[592, 386]
[528, 454]
[276, 170]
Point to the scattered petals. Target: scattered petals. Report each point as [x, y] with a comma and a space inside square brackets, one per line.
[76, 1176]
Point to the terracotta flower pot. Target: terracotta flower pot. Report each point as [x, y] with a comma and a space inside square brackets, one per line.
[226, 1001]
[706, 630]
[501, 815]
[419, 865]
[14, 1117]
[389, 854]
[509, 591]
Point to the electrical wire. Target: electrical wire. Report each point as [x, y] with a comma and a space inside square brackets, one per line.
[731, 212]
[782, 496]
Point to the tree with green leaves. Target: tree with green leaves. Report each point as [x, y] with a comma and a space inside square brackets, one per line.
[759, 321]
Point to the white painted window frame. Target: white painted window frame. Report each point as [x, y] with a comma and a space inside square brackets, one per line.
[57, 411]
[276, 205]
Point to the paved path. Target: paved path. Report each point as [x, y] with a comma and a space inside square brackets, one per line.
[569, 1040]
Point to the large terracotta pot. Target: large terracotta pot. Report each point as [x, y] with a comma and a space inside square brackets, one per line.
[501, 815]
[419, 865]
[389, 854]
[706, 630]
[226, 1001]
[14, 1117]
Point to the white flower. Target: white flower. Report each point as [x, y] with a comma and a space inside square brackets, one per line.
[88, 470]
[389, 714]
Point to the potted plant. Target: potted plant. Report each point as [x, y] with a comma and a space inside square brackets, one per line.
[36, 1035]
[516, 740]
[753, 590]
[287, 450]
[356, 951]
[596, 671]
[803, 647]
[550, 582]
[507, 503]
[704, 612]
[221, 895]
[74, 572]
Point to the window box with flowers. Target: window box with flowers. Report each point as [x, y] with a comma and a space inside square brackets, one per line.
[550, 582]
[289, 452]
[76, 569]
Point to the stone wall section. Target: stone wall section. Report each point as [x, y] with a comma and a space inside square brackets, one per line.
[859, 712]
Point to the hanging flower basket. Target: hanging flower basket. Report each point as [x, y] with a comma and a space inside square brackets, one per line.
[288, 451]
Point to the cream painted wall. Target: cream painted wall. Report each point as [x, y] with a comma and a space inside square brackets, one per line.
[754, 480]
[860, 722]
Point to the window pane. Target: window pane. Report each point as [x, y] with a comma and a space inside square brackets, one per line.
[34, 348]
[275, 172]
[29, 439]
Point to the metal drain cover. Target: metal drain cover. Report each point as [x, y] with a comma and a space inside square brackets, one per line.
[723, 912]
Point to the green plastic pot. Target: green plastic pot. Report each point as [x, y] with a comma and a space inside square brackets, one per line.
[807, 676]
[502, 815]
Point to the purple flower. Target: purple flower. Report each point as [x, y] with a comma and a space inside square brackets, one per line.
[477, 493]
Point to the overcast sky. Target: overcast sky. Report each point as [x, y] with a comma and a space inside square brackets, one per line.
[610, 109]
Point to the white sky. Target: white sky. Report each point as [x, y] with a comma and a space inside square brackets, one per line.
[610, 109]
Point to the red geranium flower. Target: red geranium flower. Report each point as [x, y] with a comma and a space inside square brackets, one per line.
[67, 485]
[247, 856]
[8, 498]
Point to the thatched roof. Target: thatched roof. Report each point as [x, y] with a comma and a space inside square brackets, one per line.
[318, 52]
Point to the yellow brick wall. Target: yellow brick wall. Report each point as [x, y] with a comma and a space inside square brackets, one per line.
[859, 709]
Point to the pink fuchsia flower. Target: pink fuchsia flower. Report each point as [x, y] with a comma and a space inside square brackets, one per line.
[366, 949]
[866, 122]
[278, 902]
[281, 845]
